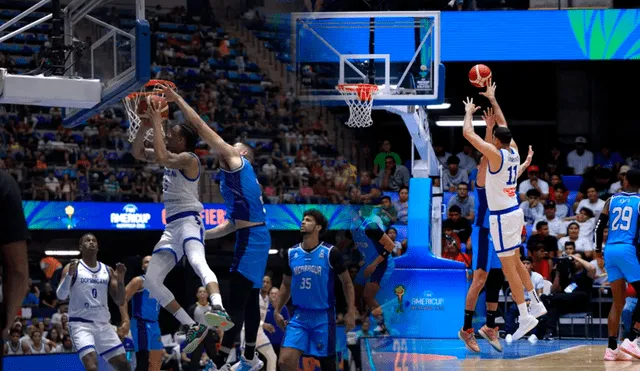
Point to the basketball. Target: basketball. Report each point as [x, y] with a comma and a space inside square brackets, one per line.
[142, 107]
[479, 75]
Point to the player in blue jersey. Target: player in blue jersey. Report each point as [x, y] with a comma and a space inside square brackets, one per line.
[309, 281]
[247, 218]
[487, 269]
[621, 214]
[145, 329]
[370, 239]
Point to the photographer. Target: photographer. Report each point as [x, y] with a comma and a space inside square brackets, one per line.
[571, 289]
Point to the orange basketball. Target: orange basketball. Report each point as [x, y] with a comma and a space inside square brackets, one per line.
[480, 75]
[142, 107]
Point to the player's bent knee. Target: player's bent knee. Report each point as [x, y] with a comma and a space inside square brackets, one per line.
[90, 361]
[288, 359]
[120, 363]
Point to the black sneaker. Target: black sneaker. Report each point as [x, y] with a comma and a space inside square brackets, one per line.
[195, 336]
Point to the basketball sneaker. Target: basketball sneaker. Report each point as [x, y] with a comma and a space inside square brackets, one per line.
[469, 339]
[616, 355]
[244, 365]
[537, 310]
[491, 335]
[630, 348]
[195, 336]
[218, 317]
[381, 331]
[527, 324]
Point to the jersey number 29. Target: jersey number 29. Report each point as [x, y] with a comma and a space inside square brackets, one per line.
[621, 218]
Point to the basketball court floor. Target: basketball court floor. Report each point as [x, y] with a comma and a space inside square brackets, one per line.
[451, 355]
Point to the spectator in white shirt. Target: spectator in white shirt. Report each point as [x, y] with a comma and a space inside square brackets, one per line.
[269, 169]
[453, 175]
[532, 208]
[53, 185]
[617, 186]
[467, 162]
[591, 202]
[533, 183]
[587, 223]
[582, 244]
[557, 228]
[580, 158]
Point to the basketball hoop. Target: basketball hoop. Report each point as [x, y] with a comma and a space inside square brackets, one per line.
[359, 98]
[132, 101]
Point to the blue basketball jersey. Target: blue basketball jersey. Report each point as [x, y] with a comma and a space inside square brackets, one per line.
[482, 210]
[144, 307]
[623, 218]
[312, 277]
[370, 249]
[242, 194]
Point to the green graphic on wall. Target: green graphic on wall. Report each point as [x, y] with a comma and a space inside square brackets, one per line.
[603, 34]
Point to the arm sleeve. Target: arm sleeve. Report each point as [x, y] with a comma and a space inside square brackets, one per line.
[603, 221]
[287, 266]
[336, 261]
[13, 227]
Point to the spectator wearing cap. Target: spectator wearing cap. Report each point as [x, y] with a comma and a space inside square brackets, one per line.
[453, 175]
[561, 193]
[464, 200]
[592, 202]
[542, 235]
[555, 225]
[532, 208]
[608, 159]
[533, 183]
[580, 158]
[617, 186]
[459, 225]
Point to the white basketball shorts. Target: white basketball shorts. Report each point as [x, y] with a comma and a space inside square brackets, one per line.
[506, 230]
[185, 227]
[90, 337]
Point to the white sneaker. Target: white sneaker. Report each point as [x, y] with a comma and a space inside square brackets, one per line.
[254, 365]
[527, 324]
[537, 310]
[630, 348]
[508, 339]
[533, 339]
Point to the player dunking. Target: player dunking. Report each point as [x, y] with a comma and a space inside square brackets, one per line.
[621, 261]
[145, 329]
[487, 270]
[506, 218]
[88, 282]
[370, 238]
[247, 218]
[184, 232]
[308, 280]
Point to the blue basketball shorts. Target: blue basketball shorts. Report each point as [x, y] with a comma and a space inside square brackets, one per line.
[484, 254]
[146, 335]
[251, 253]
[380, 276]
[312, 331]
[621, 261]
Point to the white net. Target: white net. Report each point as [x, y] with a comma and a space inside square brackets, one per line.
[131, 104]
[359, 98]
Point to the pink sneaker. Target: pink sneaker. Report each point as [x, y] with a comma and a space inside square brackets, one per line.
[469, 338]
[630, 348]
[616, 355]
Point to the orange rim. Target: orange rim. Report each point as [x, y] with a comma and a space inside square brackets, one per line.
[154, 84]
[160, 82]
[364, 91]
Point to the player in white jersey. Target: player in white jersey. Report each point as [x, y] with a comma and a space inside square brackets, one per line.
[88, 282]
[184, 233]
[506, 219]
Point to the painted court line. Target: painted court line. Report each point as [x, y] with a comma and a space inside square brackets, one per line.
[566, 350]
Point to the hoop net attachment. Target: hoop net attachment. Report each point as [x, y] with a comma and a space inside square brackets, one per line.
[133, 100]
[359, 98]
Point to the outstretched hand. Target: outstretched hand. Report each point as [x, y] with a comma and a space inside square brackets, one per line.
[491, 90]
[469, 106]
[488, 117]
[154, 110]
[530, 153]
[169, 94]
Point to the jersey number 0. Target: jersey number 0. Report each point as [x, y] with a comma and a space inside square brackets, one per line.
[621, 218]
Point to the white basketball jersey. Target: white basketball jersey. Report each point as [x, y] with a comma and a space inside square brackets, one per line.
[501, 186]
[264, 307]
[180, 193]
[89, 294]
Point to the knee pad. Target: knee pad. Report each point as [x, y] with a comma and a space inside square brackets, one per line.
[158, 291]
[198, 261]
[493, 285]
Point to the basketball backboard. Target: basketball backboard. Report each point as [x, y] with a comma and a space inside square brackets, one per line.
[398, 51]
[103, 56]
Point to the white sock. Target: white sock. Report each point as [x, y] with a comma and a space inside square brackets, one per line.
[216, 299]
[182, 316]
[522, 308]
[534, 296]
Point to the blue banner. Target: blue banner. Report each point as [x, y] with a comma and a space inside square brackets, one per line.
[152, 216]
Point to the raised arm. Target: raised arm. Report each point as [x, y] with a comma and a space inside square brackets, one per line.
[139, 151]
[220, 230]
[68, 273]
[162, 156]
[116, 284]
[487, 149]
[212, 138]
[490, 94]
[526, 162]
